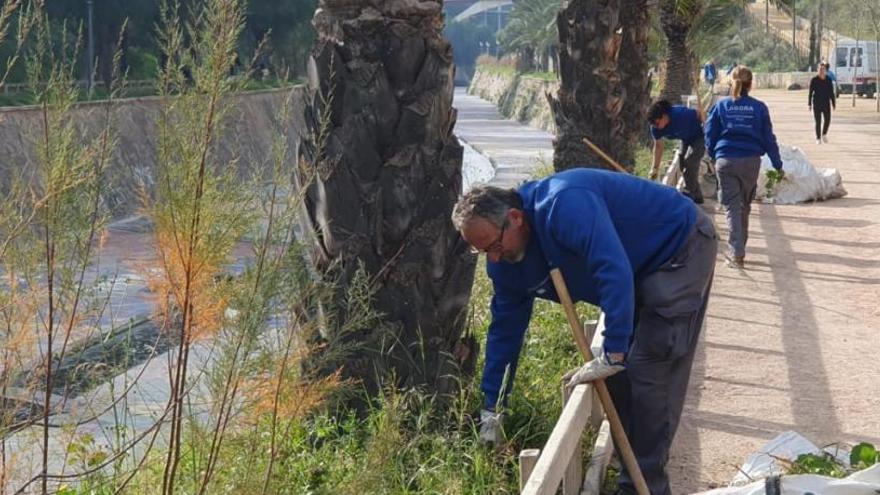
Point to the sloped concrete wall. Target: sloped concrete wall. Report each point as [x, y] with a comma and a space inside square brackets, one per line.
[248, 136]
[518, 97]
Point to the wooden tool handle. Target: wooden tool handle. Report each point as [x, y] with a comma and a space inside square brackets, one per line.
[604, 156]
[617, 431]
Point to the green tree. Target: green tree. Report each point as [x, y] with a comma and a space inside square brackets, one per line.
[531, 31]
[683, 23]
[286, 24]
[109, 16]
[465, 38]
[677, 17]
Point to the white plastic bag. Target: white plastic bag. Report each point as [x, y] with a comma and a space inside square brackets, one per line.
[865, 482]
[803, 182]
[765, 462]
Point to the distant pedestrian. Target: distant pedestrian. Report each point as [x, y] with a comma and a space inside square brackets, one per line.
[821, 100]
[710, 74]
[685, 124]
[738, 132]
[732, 66]
[830, 75]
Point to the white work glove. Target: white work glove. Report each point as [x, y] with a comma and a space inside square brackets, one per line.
[490, 427]
[597, 369]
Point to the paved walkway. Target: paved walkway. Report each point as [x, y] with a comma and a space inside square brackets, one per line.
[792, 342]
[515, 149]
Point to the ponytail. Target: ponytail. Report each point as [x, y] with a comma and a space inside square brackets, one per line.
[742, 81]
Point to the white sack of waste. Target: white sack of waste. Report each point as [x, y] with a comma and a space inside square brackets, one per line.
[803, 182]
[864, 482]
[476, 168]
[774, 456]
[788, 446]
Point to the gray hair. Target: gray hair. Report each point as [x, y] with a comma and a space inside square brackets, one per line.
[489, 202]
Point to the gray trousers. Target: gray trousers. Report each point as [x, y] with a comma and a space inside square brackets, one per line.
[690, 157]
[649, 395]
[737, 185]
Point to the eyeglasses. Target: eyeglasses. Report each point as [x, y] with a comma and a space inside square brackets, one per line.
[495, 246]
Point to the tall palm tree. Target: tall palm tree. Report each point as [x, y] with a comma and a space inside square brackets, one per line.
[688, 25]
[633, 65]
[677, 17]
[596, 81]
[531, 29]
[380, 119]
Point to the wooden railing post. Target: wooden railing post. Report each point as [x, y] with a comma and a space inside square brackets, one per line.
[574, 472]
[527, 460]
[599, 460]
[564, 439]
[593, 331]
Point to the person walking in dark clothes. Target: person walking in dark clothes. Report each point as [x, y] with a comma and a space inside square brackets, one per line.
[821, 100]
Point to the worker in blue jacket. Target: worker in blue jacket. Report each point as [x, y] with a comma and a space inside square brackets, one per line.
[685, 124]
[738, 132]
[642, 252]
[710, 74]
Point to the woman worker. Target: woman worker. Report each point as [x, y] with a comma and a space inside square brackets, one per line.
[738, 131]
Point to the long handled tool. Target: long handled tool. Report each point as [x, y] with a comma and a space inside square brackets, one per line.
[604, 156]
[617, 432]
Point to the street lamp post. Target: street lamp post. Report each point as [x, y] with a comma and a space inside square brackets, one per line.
[90, 81]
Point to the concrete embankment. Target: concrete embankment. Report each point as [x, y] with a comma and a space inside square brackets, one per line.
[521, 97]
[518, 96]
[248, 137]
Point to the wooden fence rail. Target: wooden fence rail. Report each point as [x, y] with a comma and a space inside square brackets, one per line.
[560, 461]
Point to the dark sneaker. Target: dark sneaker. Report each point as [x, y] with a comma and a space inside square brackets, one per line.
[738, 262]
[624, 491]
[698, 201]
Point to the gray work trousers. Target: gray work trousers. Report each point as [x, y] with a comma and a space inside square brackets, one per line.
[649, 394]
[737, 185]
[690, 157]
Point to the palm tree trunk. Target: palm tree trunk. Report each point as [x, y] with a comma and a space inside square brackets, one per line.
[633, 75]
[676, 22]
[590, 99]
[388, 173]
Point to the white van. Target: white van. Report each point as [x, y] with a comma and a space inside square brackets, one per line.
[855, 64]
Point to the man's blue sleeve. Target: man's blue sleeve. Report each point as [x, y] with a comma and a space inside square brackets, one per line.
[770, 145]
[656, 133]
[510, 319]
[581, 223]
[712, 130]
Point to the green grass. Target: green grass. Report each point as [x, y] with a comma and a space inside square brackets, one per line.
[498, 69]
[408, 442]
[544, 76]
[645, 155]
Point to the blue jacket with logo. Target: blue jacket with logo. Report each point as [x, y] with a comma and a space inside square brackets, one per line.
[684, 124]
[605, 231]
[741, 128]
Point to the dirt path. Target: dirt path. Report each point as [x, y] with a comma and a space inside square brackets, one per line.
[793, 342]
